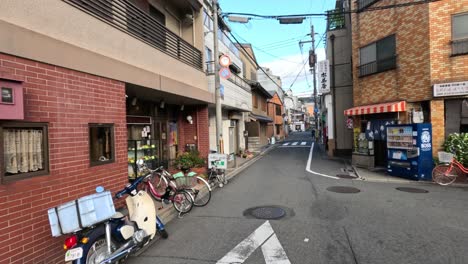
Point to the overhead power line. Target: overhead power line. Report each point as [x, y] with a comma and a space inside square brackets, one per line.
[369, 9]
[268, 53]
[253, 59]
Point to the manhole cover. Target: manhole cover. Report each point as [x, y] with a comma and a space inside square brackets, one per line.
[411, 190]
[345, 176]
[268, 212]
[343, 189]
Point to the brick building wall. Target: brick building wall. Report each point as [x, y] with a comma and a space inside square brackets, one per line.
[196, 133]
[444, 67]
[68, 101]
[410, 81]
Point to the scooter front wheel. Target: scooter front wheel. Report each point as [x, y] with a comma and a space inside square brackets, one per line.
[182, 201]
[96, 252]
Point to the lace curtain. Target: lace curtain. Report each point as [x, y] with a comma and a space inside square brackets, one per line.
[23, 150]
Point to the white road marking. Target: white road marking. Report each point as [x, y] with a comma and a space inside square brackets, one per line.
[313, 172]
[273, 252]
[263, 237]
[303, 143]
[285, 144]
[293, 146]
[295, 143]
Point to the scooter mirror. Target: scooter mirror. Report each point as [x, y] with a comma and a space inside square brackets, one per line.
[99, 189]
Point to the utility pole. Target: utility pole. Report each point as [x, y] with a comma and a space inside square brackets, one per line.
[312, 63]
[313, 70]
[219, 127]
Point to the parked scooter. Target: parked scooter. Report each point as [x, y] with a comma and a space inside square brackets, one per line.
[117, 237]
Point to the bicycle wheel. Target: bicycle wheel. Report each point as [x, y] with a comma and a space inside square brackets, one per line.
[182, 201]
[201, 192]
[442, 177]
[157, 186]
[221, 177]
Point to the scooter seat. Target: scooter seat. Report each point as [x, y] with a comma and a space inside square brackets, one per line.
[118, 215]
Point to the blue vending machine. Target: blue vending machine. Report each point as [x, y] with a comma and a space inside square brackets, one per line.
[409, 149]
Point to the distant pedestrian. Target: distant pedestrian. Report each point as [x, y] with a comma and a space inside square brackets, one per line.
[313, 134]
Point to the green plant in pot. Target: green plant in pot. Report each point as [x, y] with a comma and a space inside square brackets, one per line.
[188, 160]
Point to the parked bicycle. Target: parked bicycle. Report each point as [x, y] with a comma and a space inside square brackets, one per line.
[181, 199]
[216, 175]
[162, 181]
[447, 172]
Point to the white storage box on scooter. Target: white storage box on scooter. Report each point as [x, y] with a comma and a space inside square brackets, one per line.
[78, 214]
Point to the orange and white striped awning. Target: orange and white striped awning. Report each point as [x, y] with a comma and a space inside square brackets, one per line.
[377, 108]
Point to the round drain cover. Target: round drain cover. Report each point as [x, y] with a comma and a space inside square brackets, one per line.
[268, 212]
[343, 189]
[411, 190]
[345, 176]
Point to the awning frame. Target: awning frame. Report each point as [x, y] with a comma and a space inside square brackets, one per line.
[390, 107]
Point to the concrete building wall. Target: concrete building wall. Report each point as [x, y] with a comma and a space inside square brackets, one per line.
[343, 98]
[50, 27]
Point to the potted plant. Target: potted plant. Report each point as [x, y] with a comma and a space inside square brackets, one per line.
[184, 162]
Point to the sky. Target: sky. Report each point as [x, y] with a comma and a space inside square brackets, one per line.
[276, 46]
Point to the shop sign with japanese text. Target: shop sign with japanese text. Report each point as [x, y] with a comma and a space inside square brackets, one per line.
[323, 71]
[451, 89]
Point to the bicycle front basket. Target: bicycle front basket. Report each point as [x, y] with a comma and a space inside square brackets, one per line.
[445, 157]
[185, 181]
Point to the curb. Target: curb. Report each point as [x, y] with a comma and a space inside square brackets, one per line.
[360, 178]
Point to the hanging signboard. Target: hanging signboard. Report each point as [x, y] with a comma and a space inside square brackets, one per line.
[323, 72]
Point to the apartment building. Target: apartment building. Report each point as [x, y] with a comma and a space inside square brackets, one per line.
[410, 65]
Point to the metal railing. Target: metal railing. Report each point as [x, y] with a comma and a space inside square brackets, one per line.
[335, 19]
[365, 3]
[239, 81]
[128, 18]
[377, 66]
[459, 47]
[235, 79]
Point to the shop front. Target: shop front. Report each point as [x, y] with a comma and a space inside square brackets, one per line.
[455, 100]
[370, 135]
[162, 125]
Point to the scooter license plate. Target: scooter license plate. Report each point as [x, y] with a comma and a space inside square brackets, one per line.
[73, 254]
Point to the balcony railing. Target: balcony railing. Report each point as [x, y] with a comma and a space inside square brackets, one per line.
[128, 18]
[335, 19]
[377, 66]
[365, 3]
[460, 47]
[235, 79]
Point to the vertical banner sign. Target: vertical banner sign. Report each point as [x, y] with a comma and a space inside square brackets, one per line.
[323, 72]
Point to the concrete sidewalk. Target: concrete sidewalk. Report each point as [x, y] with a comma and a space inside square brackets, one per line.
[378, 175]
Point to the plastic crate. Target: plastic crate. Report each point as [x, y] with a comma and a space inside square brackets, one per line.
[78, 214]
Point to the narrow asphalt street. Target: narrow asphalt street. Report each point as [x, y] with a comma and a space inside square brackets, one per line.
[379, 224]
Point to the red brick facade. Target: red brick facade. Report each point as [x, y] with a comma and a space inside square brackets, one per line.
[67, 101]
[423, 47]
[196, 133]
[410, 81]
